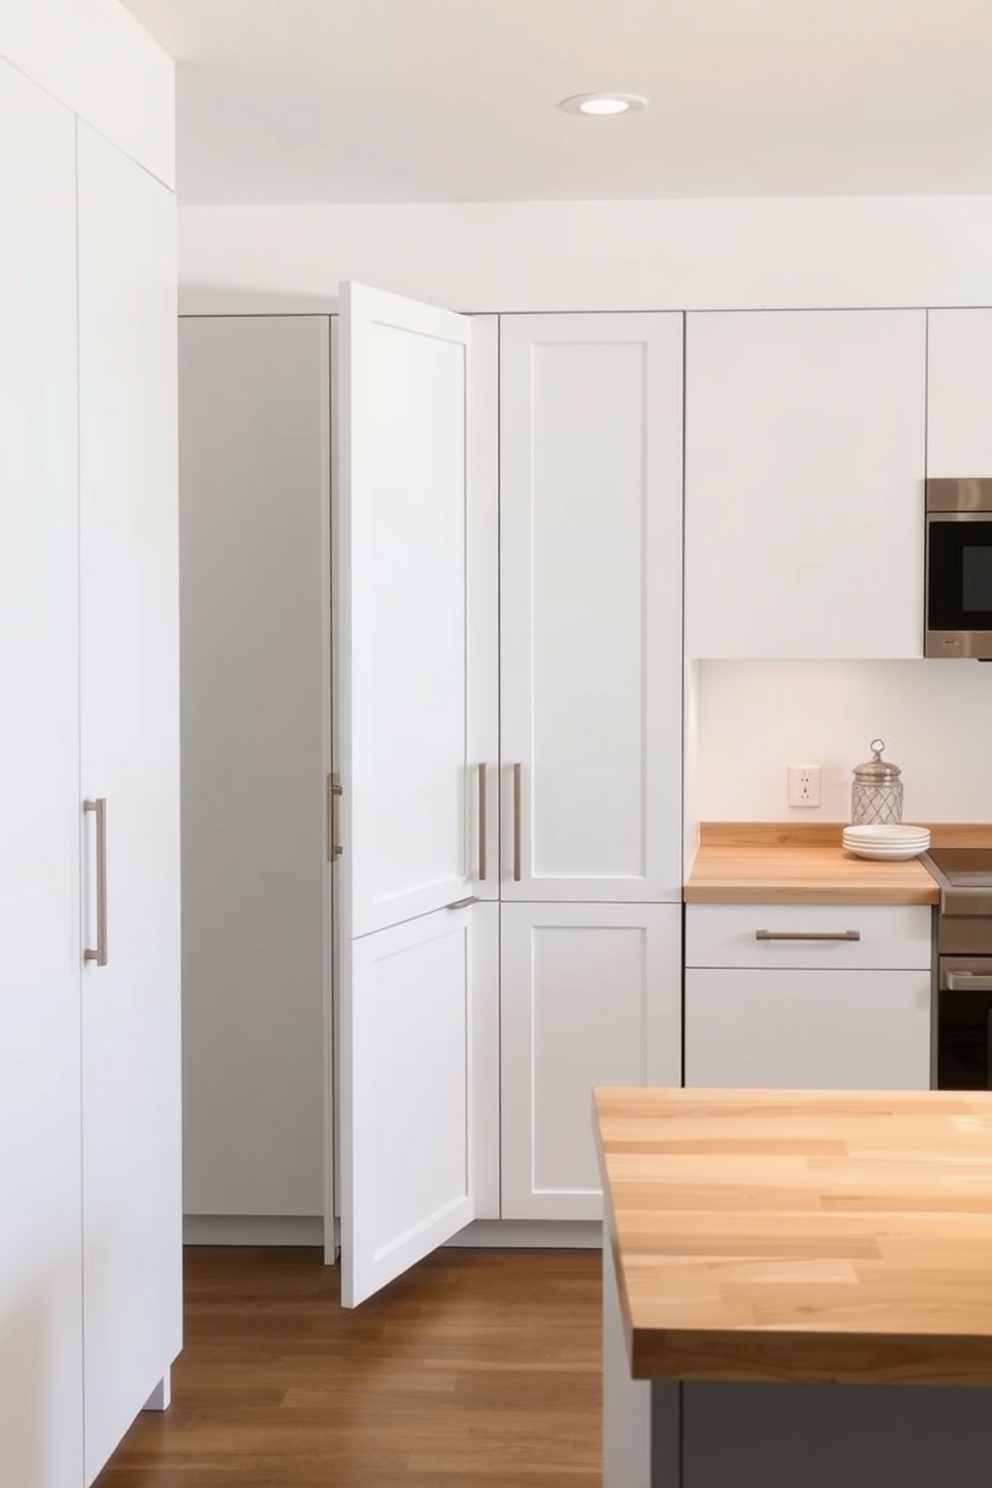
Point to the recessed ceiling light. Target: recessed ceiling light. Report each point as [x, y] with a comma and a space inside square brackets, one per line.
[603, 104]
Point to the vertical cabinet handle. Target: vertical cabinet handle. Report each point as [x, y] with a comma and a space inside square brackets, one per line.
[99, 809]
[334, 791]
[518, 771]
[482, 824]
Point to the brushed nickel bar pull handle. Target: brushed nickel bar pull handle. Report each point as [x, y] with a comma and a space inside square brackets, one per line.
[334, 791]
[482, 824]
[518, 771]
[99, 809]
[807, 934]
[462, 903]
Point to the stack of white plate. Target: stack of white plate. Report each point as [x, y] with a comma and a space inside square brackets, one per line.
[887, 843]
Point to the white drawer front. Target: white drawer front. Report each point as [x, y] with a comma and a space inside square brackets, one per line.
[771, 936]
[808, 1030]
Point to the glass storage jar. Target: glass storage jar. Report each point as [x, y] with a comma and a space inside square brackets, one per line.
[876, 795]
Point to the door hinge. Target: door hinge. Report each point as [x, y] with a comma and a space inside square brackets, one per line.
[335, 791]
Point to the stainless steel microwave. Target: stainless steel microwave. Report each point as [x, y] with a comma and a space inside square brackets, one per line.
[959, 569]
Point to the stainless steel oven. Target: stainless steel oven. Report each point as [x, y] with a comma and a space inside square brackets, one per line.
[964, 966]
[959, 569]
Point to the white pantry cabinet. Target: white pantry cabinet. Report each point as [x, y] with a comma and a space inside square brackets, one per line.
[590, 607]
[959, 393]
[804, 483]
[129, 701]
[587, 668]
[808, 996]
[590, 995]
[41, 1318]
[90, 1254]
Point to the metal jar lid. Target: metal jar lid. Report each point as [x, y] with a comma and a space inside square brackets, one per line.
[877, 771]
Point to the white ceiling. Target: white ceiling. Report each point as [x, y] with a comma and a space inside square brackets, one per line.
[454, 100]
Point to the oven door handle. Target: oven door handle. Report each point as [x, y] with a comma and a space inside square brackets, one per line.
[968, 981]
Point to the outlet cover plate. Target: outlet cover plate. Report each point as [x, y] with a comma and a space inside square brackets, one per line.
[804, 785]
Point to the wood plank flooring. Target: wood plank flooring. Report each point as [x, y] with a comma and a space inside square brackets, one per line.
[479, 1367]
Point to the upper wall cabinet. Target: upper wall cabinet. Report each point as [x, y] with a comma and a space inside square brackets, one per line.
[959, 393]
[590, 606]
[804, 483]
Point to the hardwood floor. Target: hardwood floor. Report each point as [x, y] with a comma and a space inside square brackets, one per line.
[478, 1367]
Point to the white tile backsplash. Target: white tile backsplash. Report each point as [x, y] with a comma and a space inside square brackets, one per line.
[755, 718]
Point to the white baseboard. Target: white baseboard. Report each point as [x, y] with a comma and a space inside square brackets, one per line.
[533, 1234]
[305, 1229]
[253, 1229]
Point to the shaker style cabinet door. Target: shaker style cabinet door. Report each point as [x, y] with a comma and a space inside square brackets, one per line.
[591, 995]
[129, 647]
[408, 740]
[959, 393]
[590, 606]
[41, 1317]
[804, 483]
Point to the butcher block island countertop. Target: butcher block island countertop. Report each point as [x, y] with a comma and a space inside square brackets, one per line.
[839, 1237]
[790, 863]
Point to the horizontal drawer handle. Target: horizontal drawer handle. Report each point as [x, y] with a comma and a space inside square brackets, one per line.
[461, 903]
[807, 934]
[968, 981]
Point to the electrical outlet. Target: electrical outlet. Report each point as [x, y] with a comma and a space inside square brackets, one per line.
[804, 785]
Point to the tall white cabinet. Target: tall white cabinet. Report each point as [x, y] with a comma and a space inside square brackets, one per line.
[129, 712]
[590, 671]
[41, 1321]
[90, 1259]
[506, 557]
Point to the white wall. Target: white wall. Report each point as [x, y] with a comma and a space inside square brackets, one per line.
[754, 718]
[94, 57]
[594, 255]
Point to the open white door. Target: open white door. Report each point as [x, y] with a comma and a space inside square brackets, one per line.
[405, 983]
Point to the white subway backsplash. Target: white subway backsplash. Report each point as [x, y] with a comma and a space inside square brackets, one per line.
[755, 717]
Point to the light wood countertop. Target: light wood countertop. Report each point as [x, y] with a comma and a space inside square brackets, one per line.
[802, 1235]
[787, 863]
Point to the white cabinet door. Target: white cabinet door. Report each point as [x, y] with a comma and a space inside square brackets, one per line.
[831, 1030]
[406, 466]
[407, 1140]
[590, 606]
[405, 722]
[804, 483]
[255, 451]
[129, 629]
[959, 393]
[41, 1396]
[591, 995]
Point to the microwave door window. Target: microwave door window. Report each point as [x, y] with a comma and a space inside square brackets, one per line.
[960, 576]
[976, 579]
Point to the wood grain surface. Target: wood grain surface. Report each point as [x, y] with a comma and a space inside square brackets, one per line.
[802, 1235]
[479, 1368]
[779, 863]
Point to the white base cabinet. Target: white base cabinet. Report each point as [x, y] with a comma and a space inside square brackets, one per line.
[796, 996]
[590, 995]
